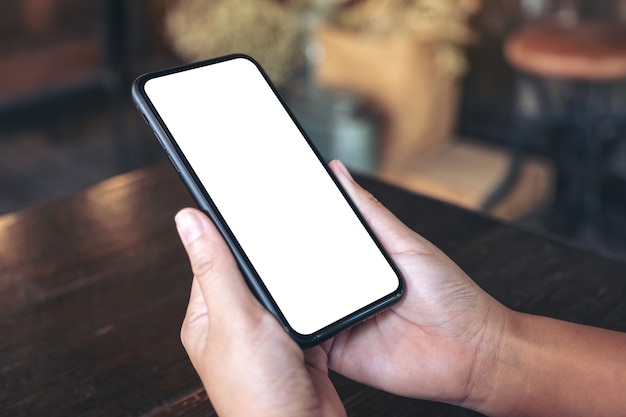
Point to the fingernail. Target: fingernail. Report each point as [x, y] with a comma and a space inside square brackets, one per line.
[343, 170]
[189, 225]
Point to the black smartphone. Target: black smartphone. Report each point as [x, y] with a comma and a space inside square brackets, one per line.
[303, 248]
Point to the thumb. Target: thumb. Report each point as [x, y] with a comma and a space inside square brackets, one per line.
[393, 234]
[219, 295]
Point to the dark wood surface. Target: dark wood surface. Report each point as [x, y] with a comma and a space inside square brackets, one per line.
[93, 290]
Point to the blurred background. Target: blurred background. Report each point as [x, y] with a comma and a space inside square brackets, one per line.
[512, 108]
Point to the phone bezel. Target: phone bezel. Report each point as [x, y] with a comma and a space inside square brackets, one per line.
[206, 204]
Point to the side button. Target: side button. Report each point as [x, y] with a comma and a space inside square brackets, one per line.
[173, 163]
[159, 140]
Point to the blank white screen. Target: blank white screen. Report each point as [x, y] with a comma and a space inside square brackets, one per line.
[307, 245]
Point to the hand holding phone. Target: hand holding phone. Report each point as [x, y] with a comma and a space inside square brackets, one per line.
[301, 245]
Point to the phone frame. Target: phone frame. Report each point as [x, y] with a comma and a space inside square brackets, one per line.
[205, 203]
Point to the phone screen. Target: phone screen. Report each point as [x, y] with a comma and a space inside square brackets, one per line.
[314, 256]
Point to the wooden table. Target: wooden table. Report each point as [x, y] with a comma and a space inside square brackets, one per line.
[93, 290]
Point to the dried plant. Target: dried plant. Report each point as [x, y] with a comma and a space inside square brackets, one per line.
[270, 30]
[264, 29]
[442, 23]
[428, 19]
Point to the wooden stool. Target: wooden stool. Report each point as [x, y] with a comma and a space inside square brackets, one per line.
[587, 51]
[588, 57]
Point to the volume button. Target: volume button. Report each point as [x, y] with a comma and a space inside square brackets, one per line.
[159, 140]
[173, 163]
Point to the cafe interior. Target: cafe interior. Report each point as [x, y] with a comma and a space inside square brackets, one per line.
[515, 109]
[496, 129]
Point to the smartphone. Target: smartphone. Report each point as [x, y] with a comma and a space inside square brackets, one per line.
[300, 243]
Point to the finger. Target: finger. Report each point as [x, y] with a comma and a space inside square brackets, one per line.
[394, 234]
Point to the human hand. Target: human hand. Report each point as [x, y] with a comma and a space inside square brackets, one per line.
[247, 362]
[432, 344]
[438, 342]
